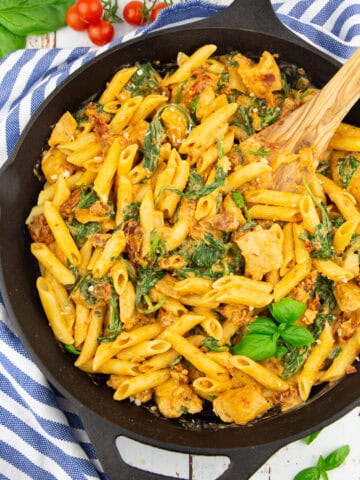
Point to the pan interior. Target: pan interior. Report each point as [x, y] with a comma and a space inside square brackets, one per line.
[19, 188]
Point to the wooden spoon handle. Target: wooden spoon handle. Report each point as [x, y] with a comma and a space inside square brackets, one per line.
[314, 123]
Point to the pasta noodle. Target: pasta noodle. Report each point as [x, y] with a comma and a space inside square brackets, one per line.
[175, 250]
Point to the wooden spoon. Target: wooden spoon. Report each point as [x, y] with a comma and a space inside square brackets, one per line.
[315, 122]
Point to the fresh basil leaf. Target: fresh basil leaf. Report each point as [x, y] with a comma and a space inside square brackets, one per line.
[255, 346]
[311, 473]
[280, 352]
[29, 17]
[287, 310]
[310, 438]
[9, 41]
[297, 335]
[262, 325]
[337, 457]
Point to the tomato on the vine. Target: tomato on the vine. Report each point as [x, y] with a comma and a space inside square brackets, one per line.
[90, 10]
[101, 33]
[134, 14]
[72, 18]
[156, 10]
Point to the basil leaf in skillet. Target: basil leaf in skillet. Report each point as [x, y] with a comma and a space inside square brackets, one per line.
[287, 310]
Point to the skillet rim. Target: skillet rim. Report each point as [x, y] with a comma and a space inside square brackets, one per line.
[54, 378]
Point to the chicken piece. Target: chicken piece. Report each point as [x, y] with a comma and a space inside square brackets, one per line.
[224, 222]
[262, 78]
[240, 315]
[347, 296]
[241, 405]
[39, 230]
[64, 130]
[173, 399]
[262, 250]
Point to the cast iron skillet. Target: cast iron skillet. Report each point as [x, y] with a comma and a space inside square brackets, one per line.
[251, 27]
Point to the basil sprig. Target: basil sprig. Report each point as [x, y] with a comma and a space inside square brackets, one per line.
[332, 461]
[29, 17]
[267, 337]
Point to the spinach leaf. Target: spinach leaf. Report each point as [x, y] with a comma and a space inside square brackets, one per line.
[324, 288]
[267, 115]
[144, 81]
[240, 203]
[114, 326]
[210, 343]
[147, 279]
[88, 197]
[196, 187]
[80, 231]
[243, 120]
[321, 240]
[347, 169]
[29, 17]
[223, 81]
[154, 136]
[294, 360]
[9, 41]
[208, 252]
[229, 58]
[131, 211]
[86, 285]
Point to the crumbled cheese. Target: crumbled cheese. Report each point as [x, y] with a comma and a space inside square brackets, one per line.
[251, 308]
[53, 177]
[251, 94]
[126, 134]
[91, 288]
[139, 72]
[66, 174]
[255, 110]
[137, 402]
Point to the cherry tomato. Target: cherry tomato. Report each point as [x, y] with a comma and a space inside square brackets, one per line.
[101, 33]
[133, 13]
[156, 10]
[72, 18]
[90, 10]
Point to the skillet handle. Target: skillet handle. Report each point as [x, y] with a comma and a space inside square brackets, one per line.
[252, 15]
[244, 462]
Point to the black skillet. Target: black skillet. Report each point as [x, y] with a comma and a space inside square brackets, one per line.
[249, 26]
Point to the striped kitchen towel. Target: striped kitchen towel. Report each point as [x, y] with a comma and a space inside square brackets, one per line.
[41, 437]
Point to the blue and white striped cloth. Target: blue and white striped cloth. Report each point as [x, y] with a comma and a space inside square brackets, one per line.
[41, 437]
